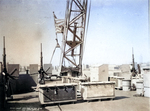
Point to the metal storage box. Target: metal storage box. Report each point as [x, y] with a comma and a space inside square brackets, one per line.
[97, 90]
[117, 80]
[33, 68]
[12, 67]
[34, 72]
[139, 88]
[58, 93]
[94, 74]
[48, 66]
[126, 85]
[98, 73]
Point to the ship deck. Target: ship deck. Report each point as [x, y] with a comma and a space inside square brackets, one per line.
[123, 101]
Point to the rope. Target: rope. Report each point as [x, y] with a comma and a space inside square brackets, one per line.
[87, 25]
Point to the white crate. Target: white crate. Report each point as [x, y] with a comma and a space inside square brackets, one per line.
[97, 90]
[126, 84]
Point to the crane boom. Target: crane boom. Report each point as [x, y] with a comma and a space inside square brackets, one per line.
[73, 29]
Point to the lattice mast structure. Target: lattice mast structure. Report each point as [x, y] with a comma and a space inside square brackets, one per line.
[73, 30]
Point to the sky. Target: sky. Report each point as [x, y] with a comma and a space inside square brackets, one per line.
[115, 26]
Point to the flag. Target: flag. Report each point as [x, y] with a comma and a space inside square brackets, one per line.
[59, 24]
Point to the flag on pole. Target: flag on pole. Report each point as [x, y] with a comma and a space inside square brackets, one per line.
[59, 24]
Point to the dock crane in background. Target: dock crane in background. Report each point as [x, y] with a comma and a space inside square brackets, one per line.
[73, 29]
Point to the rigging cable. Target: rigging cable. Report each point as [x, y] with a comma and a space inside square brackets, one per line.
[87, 26]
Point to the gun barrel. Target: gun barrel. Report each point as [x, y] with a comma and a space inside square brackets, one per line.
[4, 53]
[41, 57]
[4, 45]
[4, 41]
[133, 58]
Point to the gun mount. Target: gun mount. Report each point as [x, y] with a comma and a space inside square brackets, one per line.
[41, 71]
[133, 70]
[5, 77]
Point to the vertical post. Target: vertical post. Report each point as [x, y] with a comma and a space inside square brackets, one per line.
[2, 89]
[41, 57]
[80, 57]
[74, 37]
[3, 78]
[4, 54]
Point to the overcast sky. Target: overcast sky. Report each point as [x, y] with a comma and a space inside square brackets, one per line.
[115, 26]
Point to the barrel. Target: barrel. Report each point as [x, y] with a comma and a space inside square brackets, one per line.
[139, 88]
[126, 84]
[119, 79]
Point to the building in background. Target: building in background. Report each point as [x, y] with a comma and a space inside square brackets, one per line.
[125, 71]
[104, 71]
[86, 71]
[145, 68]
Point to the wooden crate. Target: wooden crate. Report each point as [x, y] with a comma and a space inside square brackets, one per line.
[66, 92]
[97, 90]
